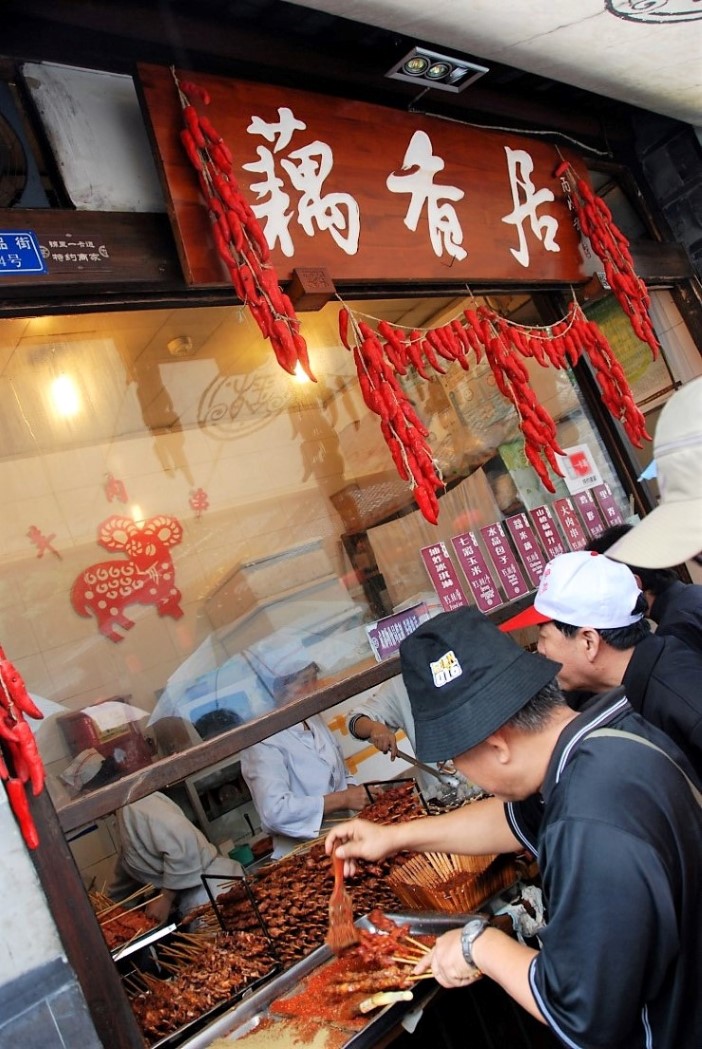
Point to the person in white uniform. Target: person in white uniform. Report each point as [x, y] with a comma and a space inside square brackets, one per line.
[161, 847]
[297, 777]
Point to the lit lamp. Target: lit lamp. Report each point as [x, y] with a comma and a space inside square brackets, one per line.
[436, 70]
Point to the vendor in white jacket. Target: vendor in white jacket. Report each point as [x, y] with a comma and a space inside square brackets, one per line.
[298, 776]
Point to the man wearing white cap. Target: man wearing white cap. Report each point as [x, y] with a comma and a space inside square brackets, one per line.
[672, 533]
[590, 612]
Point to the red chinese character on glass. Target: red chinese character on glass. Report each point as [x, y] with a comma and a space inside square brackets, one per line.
[199, 501]
[42, 542]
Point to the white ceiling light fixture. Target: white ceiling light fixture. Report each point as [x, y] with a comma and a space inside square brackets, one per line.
[431, 69]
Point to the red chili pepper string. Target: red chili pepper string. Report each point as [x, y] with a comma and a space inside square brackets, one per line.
[238, 237]
[18, 739]
[612, 247]
[383, 354]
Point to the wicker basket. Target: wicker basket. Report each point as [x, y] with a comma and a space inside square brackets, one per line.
[450, 883]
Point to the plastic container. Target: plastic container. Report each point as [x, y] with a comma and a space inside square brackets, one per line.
[242, 854]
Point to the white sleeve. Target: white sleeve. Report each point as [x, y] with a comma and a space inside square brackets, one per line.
[282, 811]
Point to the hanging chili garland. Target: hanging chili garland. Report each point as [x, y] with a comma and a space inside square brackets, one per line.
[18, 739]
[238, 235]
[612, 247]
[384, 354]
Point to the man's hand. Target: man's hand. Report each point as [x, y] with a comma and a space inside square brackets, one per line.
[447, 964]
[160, 907]
[356, 797]
[383, 739]
[359, 840]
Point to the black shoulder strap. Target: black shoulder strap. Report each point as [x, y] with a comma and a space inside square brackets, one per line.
[618, 733]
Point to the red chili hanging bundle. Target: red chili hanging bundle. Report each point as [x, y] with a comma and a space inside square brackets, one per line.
[238, 235]
[18, 739]
[403, 430]
[612, 247]
[384, 354]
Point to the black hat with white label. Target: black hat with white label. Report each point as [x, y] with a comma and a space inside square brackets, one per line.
[465, 680]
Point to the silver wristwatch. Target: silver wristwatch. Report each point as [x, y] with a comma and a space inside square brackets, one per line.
[469, 934]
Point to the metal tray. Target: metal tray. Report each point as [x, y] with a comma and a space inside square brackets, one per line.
[249, 1013]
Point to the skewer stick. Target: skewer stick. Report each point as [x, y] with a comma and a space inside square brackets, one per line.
[407, 960]
[153, 900]
[423, 947]
[133, 896]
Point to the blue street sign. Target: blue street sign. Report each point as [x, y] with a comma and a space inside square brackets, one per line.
[20, 252]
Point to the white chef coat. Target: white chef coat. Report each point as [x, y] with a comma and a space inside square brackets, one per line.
[288, 775]
[160, 846]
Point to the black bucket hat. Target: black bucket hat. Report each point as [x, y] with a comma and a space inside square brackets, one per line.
[465, 680]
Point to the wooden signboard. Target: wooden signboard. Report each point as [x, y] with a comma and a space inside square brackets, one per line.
[369, 193]
[87, 247]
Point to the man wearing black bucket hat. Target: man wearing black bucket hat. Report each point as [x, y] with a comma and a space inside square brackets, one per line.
[607, 803]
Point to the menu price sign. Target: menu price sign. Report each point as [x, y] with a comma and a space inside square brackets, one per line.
[590, 513]
[474, 567]
[547, 530]
[386, 634]
[570, 522]
[607, 504]
[524, 537]
[443, 575]
[503, 559]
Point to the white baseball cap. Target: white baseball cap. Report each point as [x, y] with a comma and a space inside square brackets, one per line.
[672, 533]
[583, 589]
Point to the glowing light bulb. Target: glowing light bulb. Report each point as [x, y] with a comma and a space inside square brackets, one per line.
[299, 375]
[65, 396]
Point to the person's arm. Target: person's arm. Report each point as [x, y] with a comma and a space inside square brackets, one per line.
[162, 905]
[381, 735]
[474, 830]
[354, 797]
[495, 955]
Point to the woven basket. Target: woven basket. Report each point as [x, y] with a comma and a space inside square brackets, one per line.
[450, 883]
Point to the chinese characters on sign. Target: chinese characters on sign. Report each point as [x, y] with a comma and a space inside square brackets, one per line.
[527, 200]
[607, 504]
[387, 633]
[548, 532]
[570, 523]
[579, 468]
[307, 168]
[417, 178]
[527, 545]
[476, 571]
[443, 575]
[504, 560]
[590, 513]
[20, 252]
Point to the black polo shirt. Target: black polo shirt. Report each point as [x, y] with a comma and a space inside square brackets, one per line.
[678, 613]
[618, 835]
[663, 683]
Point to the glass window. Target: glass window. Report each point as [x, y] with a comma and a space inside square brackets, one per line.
[192, 537]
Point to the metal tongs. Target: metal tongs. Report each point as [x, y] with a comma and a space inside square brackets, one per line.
[449, 783]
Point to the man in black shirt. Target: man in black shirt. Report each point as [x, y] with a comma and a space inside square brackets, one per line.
[590, 613]
[675, 607]
[608, 805]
